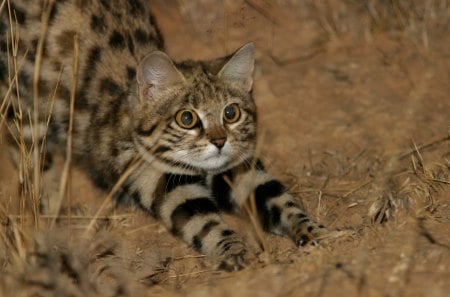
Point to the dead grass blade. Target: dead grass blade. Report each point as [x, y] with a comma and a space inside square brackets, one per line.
[63, 189]
[108, 201]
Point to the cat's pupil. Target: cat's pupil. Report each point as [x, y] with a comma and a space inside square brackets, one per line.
[187, 118]
[230, 112]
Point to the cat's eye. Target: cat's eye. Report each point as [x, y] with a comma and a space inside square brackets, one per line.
[186, 118]
[231, 113]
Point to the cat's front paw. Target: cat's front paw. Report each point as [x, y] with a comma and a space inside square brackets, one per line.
[230, 254]
[303, 230]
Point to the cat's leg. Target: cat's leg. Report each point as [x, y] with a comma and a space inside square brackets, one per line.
[183, 203]
[278, 211]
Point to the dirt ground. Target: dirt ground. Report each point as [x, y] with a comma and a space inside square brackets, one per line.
[354, 115]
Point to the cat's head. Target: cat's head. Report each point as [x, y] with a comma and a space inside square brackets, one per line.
[197, 116]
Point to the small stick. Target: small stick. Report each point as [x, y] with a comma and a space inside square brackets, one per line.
[113, 217]
[108, 200]
[66, 170]
[36, 133]
[355, 189]
[423, 146]
[190, 273]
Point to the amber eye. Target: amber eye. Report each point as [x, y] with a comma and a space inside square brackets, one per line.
[186, 118]
[231, 113]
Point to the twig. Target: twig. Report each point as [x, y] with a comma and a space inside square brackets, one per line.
[37, 69]
[356, 189]
[439, 181]
[59, 217]
[108, 200]
[66, 170]
[190, 273]
[424, 146]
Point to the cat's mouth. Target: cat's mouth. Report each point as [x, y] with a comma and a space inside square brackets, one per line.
[214, 159]
[216, 162]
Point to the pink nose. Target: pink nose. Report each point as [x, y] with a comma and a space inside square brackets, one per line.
[218, 142]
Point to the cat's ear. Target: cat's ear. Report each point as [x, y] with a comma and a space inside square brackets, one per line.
[239, 69]
[156, 74]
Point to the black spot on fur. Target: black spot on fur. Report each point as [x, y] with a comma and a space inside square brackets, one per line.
[3, 28]
[290, 204]
[98, 24]
[197, 243]
[114, 151]
[141, 36]
[109, 86]
[301, 215]
[159, 40]
[131, 73]
[106, 4]
[32, 50]
[48, 161]
[259, 165]
[263, 194]
[65, 42]
[19, 14]
[275, 215]
[135, 7]
[161, 149]
[130, 44]
[117, 40]
[302, 221]
[94, 56]
[145, 131]
[10, 113]
[99, 180]
[53, 12]
[226, 247]
[227, 232]
[3, 46]
[310, 228]
[304, 239]
[3, 71]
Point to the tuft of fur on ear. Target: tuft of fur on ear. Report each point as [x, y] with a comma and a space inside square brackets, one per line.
[238, 71]
[156, 74]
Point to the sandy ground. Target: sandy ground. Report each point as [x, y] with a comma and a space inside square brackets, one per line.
[354, 115]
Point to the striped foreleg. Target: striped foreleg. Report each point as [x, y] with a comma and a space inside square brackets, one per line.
[183, 203]
[278, 211]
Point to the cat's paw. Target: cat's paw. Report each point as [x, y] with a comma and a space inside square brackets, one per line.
[303, 230]
[230, 254]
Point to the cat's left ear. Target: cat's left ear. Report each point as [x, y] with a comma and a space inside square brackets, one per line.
[156, 74]
[239, 69]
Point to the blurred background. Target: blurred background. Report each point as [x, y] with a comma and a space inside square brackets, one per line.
[354, 116]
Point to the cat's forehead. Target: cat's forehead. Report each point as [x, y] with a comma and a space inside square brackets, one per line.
[210, 93]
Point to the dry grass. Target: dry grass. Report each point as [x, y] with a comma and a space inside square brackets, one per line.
[370, 76]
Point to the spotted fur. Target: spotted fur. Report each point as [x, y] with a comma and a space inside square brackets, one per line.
[127, 98]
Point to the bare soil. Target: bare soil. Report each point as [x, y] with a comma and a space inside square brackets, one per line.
[354, 115]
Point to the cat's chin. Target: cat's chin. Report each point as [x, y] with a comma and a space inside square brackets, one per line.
[214, 163]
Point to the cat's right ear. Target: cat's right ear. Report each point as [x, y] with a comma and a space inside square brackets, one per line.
[157, 74]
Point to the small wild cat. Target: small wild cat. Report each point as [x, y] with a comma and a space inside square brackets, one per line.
[194, 123]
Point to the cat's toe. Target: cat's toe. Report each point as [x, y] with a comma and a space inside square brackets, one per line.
[308, 233]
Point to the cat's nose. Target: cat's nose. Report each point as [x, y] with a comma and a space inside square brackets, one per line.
[218, 142]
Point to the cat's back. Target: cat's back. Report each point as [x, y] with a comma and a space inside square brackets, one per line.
[111, 38]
